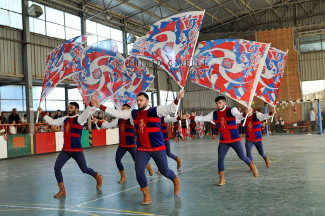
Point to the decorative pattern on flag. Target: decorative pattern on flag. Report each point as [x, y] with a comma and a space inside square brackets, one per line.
[62, 62]
[268, 86]
[170, 43]
[104, 71]
[230, 66]
[200, 128]
[140, 78]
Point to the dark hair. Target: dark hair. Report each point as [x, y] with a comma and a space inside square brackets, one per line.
[143, 94]
[74, 104]
[25, 115]
[219, 98]
[58, 110]
[127, 105]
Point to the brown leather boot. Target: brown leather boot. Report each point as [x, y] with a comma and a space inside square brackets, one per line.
[123, 177]
[62, 192]
[179, 162]
[146, 196]
[149, 168]
[267, 162]
[222, 180]
[99, 179]
[177, 186]
[253, 169]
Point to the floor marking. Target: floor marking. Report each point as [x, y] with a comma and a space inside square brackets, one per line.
[138, 185]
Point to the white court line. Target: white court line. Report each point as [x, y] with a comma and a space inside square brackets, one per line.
[137, 186]
[71, 210]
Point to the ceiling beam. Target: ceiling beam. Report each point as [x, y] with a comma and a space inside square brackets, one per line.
[206, 12]
[140, 9]
[225, 8]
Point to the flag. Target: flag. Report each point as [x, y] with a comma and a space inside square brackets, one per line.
[140, 81]
[170, 43]
[229, 66]
[104, 71]
[200, 128]
[268, 86]
[62, 62]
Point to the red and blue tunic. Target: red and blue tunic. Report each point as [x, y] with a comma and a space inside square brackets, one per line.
[147, 125]
[227, 126]
[126, 131]
[193, 123]
[72, 135]
[253, 128]
[164, 129]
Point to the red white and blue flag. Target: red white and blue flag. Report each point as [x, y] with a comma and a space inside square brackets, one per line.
[268, 86]
[104, 71]
[170, 44]
[230, 66]
[200, 128]
[62, 62]
[140, 82]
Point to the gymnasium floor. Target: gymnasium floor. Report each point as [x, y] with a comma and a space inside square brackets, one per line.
[294, 185]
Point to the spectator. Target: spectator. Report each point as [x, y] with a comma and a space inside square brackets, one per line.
[51, 114]
[106, 118]
[14, 116]
[58, 114]
[13, 128]
[3, 118]
[313, 119]
[112, 119]
[99, 116]
[24, 119]
[280, 125]
[2, 130]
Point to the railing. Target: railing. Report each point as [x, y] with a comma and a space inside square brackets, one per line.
[46, 128]
[16, 128]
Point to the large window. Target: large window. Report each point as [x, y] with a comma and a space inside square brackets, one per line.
[74, 96]
[55, 23]
[312, 43]
[10, 13]
[54, 101]
[313, 86]
[101, 32]
[12, 97]
[167, 97]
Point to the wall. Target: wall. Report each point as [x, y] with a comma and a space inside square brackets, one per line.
[290, 88]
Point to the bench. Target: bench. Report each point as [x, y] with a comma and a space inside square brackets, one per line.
[289, 125]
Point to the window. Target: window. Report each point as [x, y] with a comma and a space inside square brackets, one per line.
[313, 86]
[74, 96]
[12, 97]
[55, 23]
[101, 32]
[312, 43]
[10, 13]
[54, 101]
[167, 97]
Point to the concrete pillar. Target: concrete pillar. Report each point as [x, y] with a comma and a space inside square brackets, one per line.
[26, 54]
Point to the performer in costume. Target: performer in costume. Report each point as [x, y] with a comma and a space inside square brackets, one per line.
[164, 121]
[193, 127]
[72, 148]
[254, 134]
[150, 141]
[177, 130]
[127, 141]
[184, 123]
[225, 120]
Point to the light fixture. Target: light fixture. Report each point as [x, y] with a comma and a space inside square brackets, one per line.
[35, 11]
[131, 39]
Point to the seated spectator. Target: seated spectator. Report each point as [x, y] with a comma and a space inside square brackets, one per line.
[14, 116]
[99, 116]
[24, 121]
[13, 128]
[58, 114]
[112, 119]
[3, 118]
[106, 118]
